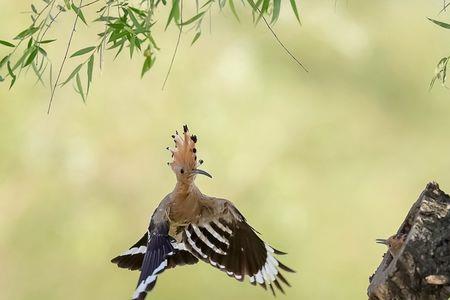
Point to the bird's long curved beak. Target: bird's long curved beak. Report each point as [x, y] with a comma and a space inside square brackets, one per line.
[382, 241]
[201, 172]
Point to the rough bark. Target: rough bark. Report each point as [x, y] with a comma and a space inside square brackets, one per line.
[420, 268]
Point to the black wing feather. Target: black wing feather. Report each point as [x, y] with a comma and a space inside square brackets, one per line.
[245, 254]
[133, 258]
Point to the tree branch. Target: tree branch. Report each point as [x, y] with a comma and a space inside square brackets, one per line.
[64, 61]
[417, 266]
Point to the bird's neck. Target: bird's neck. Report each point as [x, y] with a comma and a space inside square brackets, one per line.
[185, 188]
[185, 203]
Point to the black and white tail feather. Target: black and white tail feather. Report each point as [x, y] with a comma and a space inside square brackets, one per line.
[152, 256]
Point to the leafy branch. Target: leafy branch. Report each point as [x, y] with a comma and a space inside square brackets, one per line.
[126, 24]
[440, 72]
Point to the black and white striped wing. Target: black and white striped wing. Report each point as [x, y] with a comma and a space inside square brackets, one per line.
[132, 258]
[235, 248]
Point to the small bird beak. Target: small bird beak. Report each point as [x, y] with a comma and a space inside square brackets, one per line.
[382, 241]
[198, 171]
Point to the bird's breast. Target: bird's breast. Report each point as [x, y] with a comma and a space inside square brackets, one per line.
[183, 211]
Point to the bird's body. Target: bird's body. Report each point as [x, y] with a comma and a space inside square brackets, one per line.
[188, 226]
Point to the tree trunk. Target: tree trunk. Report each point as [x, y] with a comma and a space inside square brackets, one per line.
[420, 267]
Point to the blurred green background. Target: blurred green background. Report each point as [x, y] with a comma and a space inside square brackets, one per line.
[320, 163]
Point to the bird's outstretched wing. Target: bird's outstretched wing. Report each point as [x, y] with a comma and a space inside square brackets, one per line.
[228, 243]
[132, 258]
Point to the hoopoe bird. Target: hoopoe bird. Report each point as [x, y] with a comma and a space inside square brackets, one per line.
[189, 226]
[394, 243]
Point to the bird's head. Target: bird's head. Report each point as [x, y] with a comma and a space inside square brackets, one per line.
[185, 164]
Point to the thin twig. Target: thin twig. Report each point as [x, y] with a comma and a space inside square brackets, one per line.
[102, 44]
[444, 8]
[176, 46]
[52, 20]
[42, 11]
[64, 61]
[46, 18]
[283, 46]
[90, 3]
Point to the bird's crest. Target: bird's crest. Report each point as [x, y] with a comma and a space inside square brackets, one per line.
[184, 153]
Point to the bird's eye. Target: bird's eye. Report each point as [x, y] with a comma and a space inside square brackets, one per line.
[182, 171]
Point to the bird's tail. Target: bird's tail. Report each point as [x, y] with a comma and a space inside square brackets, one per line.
[159, 248]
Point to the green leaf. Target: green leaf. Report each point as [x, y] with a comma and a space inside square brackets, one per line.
[47, 41]
[150, 38]
[90, 69]
[207, 3]
[79, 13]
[265, 6]
[83, 51]
[263, 10]
[11, 73]
[38, 74]
[62, 8]
[27, 32]
[442, 24]
[148, 63]
[233, 10]
[8, 44]
[30, 43]
[80, 88]
[118, 51]
[67, 2]
[19, 62]
[255, 8]
[13, 80]
[31, 57]
[3, 61]
[42, 51]
[142, 13]
[105, 19]
[440, 72]
[74, 72]
[174, 12]
[196, 37]
[2, 79]
[193, 19]
[253, 5]
[294, 8]
[33, 8]
[132, 40]
[276, 10]
[135, 21]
